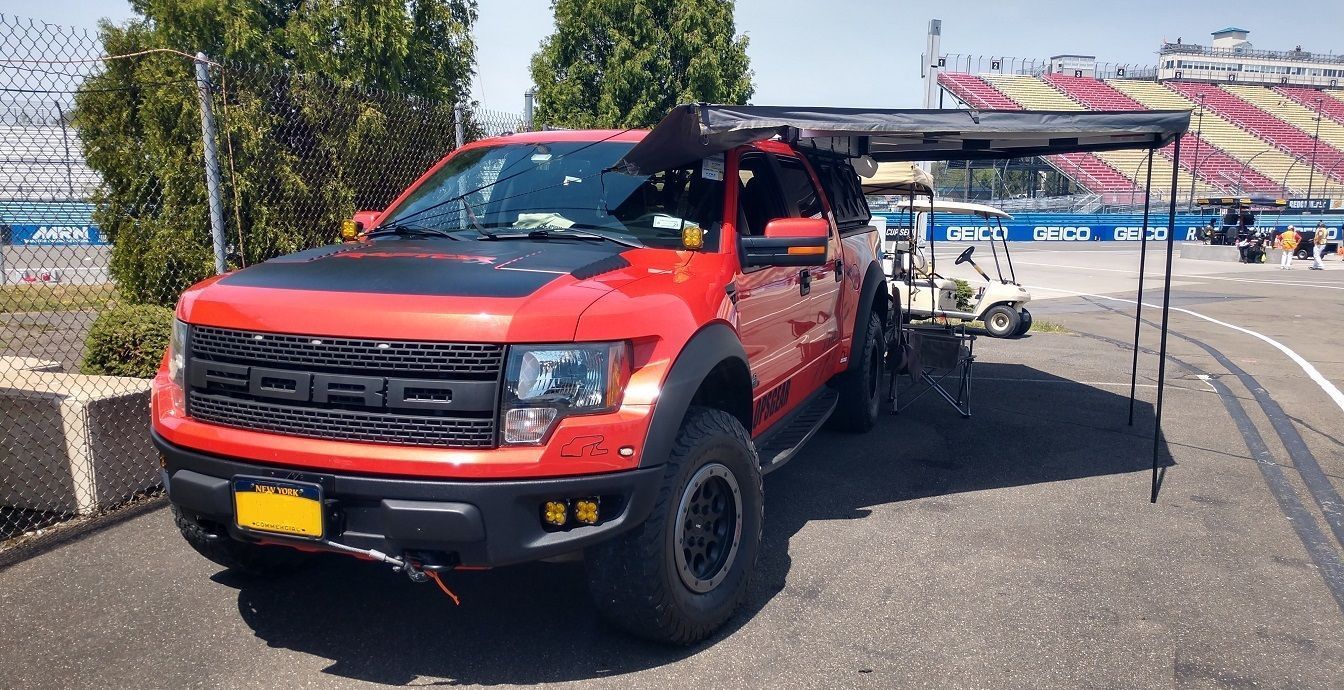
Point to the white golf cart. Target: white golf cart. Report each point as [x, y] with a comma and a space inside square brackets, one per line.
[923, 293]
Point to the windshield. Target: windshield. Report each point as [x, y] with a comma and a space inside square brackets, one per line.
[560, 186]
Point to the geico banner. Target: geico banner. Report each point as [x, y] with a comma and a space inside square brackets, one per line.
[55, 235]
[1079, 227]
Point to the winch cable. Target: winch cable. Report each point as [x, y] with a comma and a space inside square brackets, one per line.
[415, 574]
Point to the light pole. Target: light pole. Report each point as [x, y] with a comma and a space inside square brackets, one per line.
[1194, 171]
[1315, 140]
[1241, 174]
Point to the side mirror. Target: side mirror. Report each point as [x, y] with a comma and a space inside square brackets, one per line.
[363, 220]
[788, 242]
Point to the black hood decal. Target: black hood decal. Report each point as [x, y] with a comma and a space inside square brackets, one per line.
[469, 268]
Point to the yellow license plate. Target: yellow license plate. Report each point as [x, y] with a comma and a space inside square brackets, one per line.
[279, 507]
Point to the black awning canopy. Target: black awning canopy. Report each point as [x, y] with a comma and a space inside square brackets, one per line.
[691, 132]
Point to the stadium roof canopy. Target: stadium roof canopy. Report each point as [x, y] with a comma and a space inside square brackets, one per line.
[691, 132]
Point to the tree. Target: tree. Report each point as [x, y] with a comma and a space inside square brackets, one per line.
[626, 63]
[324, 107]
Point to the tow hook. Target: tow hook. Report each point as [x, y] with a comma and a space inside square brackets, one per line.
[416, 573]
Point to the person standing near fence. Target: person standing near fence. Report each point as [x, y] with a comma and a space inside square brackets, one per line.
[1288, 243]
[1318, 247]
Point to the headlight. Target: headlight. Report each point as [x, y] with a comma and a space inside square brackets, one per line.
[545, 382]
[177, 354]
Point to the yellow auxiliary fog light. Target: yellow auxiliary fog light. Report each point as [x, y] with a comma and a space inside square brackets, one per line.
[692, 237]
[585, 511]
[350, 230]
[555, 513]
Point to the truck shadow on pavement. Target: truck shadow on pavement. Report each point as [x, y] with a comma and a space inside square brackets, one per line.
[533, 623]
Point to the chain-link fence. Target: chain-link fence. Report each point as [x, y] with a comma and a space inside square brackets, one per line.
[106, 216]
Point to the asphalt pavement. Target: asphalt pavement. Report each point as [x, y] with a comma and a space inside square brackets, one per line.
[1015, 549]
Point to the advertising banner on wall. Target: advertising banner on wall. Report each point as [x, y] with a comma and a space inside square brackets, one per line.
[1079, 227]
[48, 223]
[55, 235]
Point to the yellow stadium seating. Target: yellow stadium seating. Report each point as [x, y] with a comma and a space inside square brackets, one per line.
[1237, 142]
[1035, 94]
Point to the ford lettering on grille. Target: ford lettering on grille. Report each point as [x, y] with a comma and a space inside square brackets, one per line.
[366, 391]
[435, 394]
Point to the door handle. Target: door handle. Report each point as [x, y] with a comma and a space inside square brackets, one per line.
[804, 282]
[839, 270]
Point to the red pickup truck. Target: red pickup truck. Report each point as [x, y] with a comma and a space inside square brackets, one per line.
[534, 353]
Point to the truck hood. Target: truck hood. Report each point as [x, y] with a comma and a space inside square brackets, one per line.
[470, 290]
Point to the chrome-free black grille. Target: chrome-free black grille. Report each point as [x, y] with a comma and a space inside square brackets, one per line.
[349, 355]
[345, 425]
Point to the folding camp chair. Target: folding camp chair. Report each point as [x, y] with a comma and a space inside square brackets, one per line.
[933, 353]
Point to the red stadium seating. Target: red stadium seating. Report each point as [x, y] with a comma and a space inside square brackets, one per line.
[1084, 168]
[1215, 167]
[976, 92]
[1092, 93]
[1331, 107]
[1282, 135]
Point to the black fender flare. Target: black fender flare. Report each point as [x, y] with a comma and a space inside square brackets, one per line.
[873, 281]
[705, 351]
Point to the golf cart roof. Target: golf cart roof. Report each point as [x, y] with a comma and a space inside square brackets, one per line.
[692, 132]
[898, 178]
[946, 206]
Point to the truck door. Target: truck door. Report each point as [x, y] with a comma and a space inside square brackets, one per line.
[777, 311]
[817, 327]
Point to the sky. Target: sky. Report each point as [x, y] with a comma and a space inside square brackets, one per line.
[867, 52]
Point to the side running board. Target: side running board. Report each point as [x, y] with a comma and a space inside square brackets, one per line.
[779, 444]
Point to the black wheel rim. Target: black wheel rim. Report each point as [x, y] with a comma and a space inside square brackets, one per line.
[709, 528]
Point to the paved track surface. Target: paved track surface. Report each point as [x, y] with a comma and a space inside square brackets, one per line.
[1014, 549]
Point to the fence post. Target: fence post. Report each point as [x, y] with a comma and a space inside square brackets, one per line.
[204, 90]
[460, 129]
[529, 96]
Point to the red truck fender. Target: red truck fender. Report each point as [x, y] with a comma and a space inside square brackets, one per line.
[711, 369]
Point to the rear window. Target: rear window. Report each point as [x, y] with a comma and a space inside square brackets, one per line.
[845, 190]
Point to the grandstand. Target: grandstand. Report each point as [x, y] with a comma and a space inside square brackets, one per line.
[1283, 139]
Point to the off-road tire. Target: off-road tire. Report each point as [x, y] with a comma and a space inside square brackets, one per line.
[1025, 326]
[1001, 321]
[253, 560]
[860, 388]
[634, 578]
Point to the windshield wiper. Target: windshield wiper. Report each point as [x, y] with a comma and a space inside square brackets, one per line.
[409, 230]
[574, 232]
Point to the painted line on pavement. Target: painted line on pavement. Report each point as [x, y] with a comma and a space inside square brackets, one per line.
[1329, 388]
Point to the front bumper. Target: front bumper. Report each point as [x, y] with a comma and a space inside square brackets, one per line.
[464, 523]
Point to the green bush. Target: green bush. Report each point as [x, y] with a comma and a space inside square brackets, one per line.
[128, 340]
[964, 294]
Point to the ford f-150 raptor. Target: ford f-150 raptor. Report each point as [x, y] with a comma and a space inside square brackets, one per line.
[533, 353]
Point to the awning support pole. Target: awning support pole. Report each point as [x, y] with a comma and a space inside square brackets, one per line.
[1166, 313]
[1138, 308]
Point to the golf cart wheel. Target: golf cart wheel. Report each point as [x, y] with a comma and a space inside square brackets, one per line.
[682, 573]
[1025, 326]
[1002, 321]
[860, 388]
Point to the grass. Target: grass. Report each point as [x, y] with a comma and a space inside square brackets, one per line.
[1043, 326]
[49, 298]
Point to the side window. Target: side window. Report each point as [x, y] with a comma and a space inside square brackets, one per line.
[758, 195]
[798, 187]
[844, 189]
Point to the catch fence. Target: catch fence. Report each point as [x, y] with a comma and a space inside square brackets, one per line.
[106, 215]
